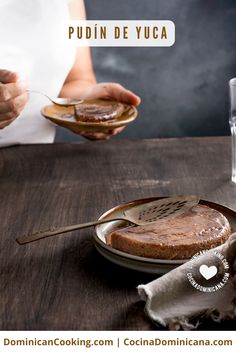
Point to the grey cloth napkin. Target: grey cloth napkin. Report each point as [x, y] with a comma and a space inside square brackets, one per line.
[174, 302]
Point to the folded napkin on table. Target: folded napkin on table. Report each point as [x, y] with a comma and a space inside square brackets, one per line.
[174, 302]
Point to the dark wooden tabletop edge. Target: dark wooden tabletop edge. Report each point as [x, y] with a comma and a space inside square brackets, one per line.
[164, 139]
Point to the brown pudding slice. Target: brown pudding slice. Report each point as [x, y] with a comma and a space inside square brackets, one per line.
[179, 237]
[98, 111]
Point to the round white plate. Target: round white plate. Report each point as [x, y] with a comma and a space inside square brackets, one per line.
[142, 264]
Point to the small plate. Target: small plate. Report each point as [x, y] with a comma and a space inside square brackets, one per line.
[142, 264]
[64, 116]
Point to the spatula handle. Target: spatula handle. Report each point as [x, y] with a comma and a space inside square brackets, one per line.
[60, 230]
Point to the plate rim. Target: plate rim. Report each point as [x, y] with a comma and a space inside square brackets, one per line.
[75, 123]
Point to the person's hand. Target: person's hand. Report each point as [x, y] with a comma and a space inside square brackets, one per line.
[112, 91]
[13, 97]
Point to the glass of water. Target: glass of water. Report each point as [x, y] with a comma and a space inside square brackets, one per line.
[232, 122]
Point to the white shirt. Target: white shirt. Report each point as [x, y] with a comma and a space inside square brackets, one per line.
[32, 44]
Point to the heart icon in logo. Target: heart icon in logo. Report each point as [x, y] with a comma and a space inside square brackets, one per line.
[208, 272]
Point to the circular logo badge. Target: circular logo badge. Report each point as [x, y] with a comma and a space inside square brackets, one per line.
[208, 271]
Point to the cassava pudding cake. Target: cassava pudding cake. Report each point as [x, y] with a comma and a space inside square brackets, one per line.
[179, 237]
[98, 111]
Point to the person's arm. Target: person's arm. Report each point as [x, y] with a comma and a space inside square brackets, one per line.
[81, 81]
[81, 77]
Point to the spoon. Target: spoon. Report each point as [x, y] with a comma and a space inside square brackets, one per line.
[138, 215]
[58, 101]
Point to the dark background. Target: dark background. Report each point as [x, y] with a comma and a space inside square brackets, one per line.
[184, 88]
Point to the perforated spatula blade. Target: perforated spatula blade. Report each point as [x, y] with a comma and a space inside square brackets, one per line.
[160, 209]
[138, 215]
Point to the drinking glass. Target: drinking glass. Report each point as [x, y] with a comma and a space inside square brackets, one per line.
[232, 123]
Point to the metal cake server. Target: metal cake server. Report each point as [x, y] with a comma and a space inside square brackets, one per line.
[138, 215]
[59, 101]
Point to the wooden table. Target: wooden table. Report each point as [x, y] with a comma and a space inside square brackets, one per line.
[63, 283]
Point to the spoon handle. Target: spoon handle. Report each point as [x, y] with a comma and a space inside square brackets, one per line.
[61, 230]
[40, 93]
